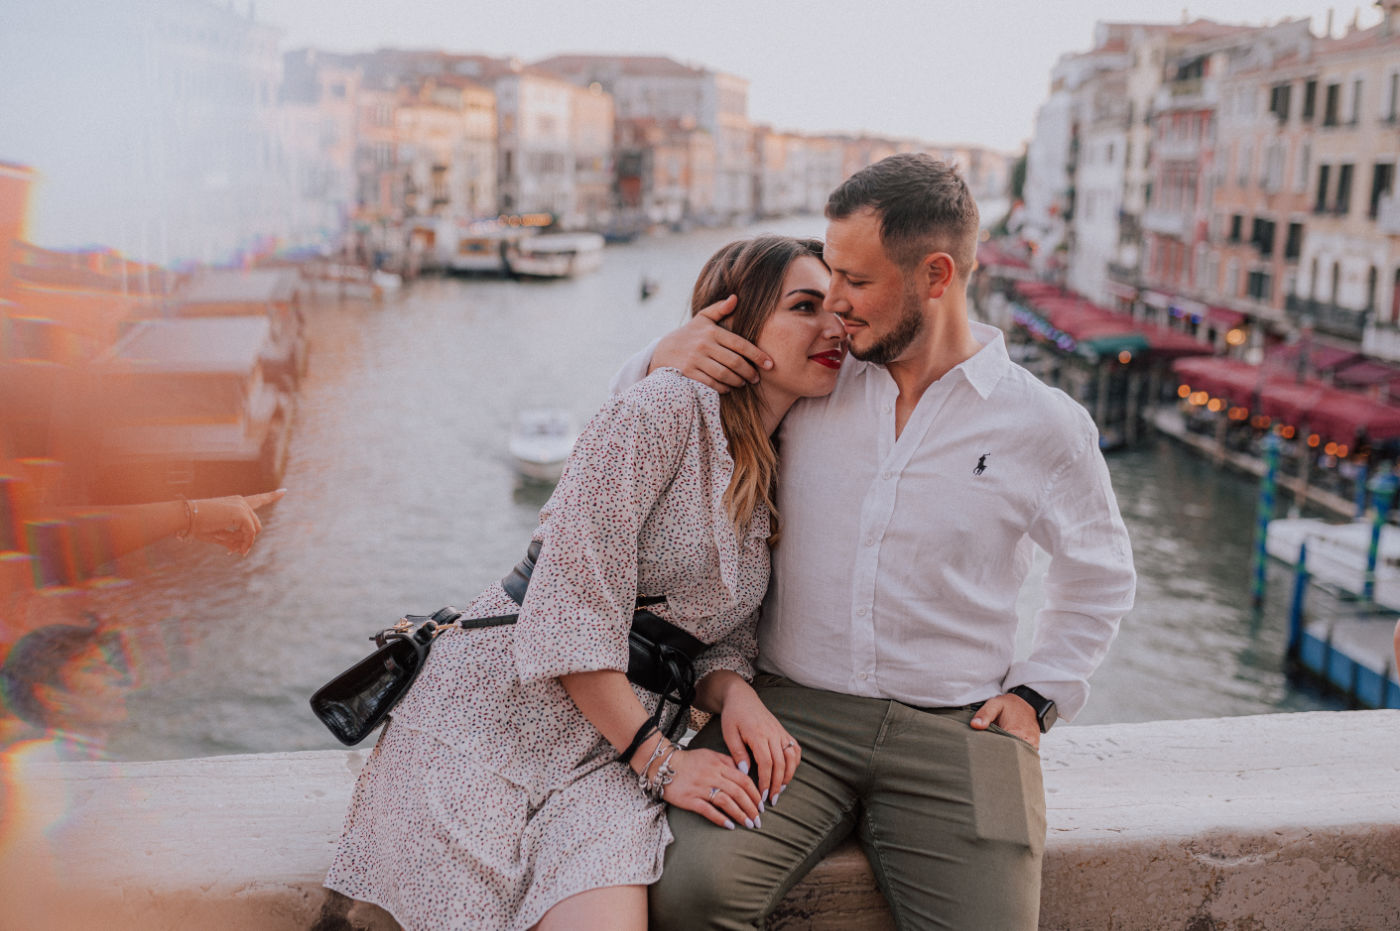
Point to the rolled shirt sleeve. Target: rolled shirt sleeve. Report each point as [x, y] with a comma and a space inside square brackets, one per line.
[578, 608]
[1089, 586]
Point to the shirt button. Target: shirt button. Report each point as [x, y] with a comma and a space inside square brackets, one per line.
[864, 676]
[888, 474]
[860, 612]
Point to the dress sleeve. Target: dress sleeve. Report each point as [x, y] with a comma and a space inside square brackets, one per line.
[579, 605]
[736, 651]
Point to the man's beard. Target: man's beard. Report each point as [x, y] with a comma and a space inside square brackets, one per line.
[909, 326]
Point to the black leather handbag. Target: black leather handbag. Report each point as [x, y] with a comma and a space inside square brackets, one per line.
[660, 658]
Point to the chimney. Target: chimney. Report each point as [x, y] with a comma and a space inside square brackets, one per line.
[1327, 33]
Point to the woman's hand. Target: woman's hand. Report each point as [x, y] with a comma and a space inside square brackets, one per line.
[708, 353]
[750, 730]
[709, 784]
[232, 522]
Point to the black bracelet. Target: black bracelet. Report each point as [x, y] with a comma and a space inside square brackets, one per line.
[646, 730]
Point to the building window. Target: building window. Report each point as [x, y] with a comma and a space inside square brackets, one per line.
[1236, 227]
[1382, 179]
[1372, 283]
[1300, 177]
[1279, 100]
[1393, 97]
[1309, 100]
[1336, 280]
[1260, 286]
[1293, 247]
[1323, 176]
[1332, 106]
[1343, 204]
[1356, 102]
[1262, 236]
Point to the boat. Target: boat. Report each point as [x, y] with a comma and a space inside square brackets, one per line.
[540, 443]
[556, 255]
[182, 407]
[481, 248]
[1337, 554]
[271, 292]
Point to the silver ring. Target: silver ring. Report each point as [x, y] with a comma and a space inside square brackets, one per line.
[788, 746]
[713, 792]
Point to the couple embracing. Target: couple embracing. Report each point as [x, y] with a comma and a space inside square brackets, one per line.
[829, 408]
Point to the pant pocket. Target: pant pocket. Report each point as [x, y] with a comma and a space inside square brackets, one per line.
[1007, 792]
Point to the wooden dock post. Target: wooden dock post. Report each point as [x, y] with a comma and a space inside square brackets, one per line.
[1295, 608]
[1383, 492]
[1267, 486]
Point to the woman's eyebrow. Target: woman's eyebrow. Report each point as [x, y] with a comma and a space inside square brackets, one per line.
[812, 291]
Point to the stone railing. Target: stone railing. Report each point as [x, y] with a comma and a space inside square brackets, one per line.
[1276, 821]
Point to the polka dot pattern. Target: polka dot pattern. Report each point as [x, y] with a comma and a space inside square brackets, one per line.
[490, 797]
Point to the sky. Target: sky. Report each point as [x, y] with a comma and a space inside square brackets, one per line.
[970, 71]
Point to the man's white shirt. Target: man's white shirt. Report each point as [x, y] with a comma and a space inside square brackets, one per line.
[900, 560]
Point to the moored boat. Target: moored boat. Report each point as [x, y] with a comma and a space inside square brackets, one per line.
[556, 255]
[540, 443]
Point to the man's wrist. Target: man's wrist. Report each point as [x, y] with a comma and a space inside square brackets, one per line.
[1046, 714]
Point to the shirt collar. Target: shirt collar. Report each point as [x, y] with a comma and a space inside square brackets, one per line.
[988, 364]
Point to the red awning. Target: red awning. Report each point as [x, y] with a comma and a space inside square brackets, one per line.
[992, 254]
[1224, 317]
[1289, 401]
[1361, 373]
[1171, 343]
[1321, 357]
[1341, 415]
[1222, 378]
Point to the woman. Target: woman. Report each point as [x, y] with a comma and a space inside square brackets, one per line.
[499, 795]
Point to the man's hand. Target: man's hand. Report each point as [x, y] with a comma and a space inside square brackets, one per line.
[1012, 714]
[708, 353]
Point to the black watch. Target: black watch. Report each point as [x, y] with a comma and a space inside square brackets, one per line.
[1045, 711]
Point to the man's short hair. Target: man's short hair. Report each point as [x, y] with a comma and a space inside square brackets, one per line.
[923, 204]
[38, 658]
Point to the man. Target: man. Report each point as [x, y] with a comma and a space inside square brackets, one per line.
[910, 499]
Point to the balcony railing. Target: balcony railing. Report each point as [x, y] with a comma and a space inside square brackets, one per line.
[1326, 317]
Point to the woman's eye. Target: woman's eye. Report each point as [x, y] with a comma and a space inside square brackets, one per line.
[805, 307]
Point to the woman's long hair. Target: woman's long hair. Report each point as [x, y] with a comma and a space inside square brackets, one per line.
[753, 270]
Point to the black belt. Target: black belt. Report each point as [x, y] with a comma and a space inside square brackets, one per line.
[660, 656]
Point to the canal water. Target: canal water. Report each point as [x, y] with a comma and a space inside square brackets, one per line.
[401, 498]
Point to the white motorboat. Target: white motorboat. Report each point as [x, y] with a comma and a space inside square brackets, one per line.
[1337, 554]
[556, 255]
[540, 443]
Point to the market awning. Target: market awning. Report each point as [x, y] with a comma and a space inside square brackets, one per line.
[1224, 317]
[1221, 378]
[1361, 373]
[1341, 415]
[1321, 356]
[1290, 402]
[1170, 343]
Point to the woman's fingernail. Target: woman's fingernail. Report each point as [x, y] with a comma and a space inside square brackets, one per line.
[748, 822]
[729, 824]
[764, 799]
[758, 822]
[744, 767]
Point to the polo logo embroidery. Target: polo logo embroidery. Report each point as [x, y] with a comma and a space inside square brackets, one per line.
[981, 464]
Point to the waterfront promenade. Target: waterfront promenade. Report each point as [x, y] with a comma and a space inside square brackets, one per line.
[1285, 822]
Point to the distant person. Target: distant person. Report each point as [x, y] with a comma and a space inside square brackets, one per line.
[231, 521]
[521, 781]
[912, 497]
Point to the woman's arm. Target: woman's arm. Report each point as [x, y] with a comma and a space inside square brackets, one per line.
[750, 729]
[608, 702]
[231, 522]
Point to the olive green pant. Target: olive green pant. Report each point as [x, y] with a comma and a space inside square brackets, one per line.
[952, 819]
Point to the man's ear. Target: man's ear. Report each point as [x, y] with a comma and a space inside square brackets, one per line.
[939, 272]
